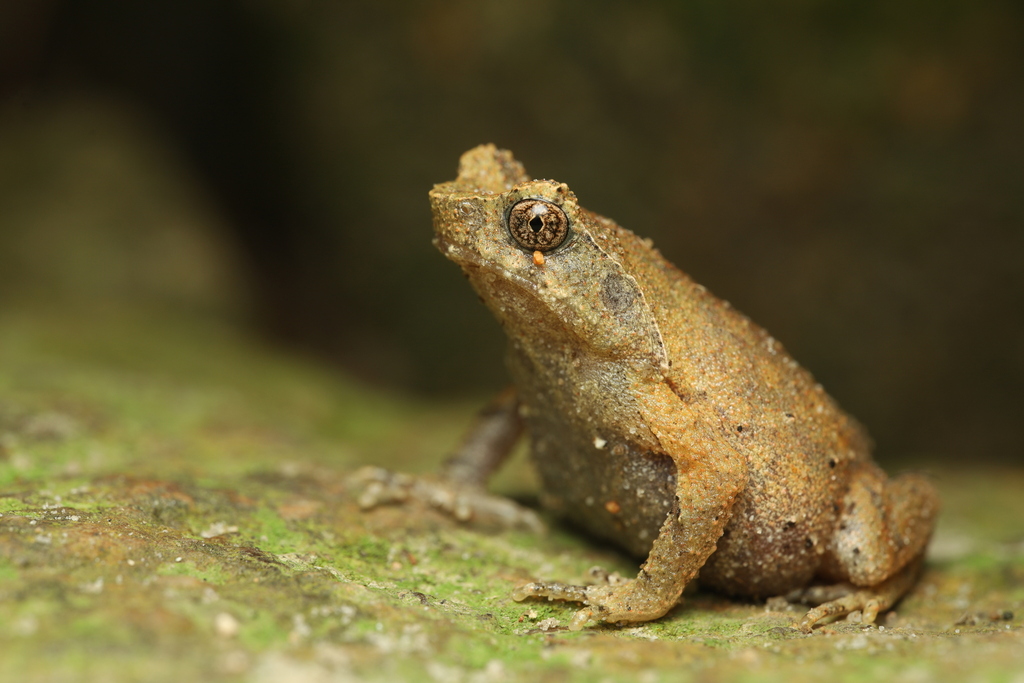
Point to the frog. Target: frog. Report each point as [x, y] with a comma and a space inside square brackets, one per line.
[661, 419]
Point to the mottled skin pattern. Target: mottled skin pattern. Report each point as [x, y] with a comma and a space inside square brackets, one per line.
[664, 420]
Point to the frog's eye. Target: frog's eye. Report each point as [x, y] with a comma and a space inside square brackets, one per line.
[538, 225]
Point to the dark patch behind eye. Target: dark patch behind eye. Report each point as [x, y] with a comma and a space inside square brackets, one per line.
[617, 294]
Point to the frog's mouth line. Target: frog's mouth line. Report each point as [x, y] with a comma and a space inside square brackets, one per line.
[468, 258]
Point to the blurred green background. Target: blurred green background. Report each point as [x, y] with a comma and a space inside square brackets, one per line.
[849, 174]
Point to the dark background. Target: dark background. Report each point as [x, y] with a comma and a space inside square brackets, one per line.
[848, 173]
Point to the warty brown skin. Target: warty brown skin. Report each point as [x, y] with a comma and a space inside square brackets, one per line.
[661, 418]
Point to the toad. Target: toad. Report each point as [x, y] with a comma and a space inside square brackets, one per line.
[664, 420]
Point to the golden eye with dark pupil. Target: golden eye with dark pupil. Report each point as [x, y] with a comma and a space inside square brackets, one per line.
[538, 225]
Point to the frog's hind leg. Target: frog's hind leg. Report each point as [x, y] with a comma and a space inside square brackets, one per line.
[883, 525]
[877, 546]
[839, 599]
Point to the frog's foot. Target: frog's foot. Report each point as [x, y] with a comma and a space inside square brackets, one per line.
[835, 601]
[844, 598]
[377, 486]
[615, 601]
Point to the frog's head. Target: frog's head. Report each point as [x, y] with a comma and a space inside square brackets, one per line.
[535, 258]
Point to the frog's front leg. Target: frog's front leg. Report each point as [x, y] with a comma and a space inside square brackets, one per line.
[459, 489]
[710, 474]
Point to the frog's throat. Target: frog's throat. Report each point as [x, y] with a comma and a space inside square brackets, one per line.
[468, 259]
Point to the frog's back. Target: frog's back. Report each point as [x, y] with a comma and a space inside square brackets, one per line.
[798, 443]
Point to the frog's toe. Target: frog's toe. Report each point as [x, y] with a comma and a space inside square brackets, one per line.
[552, 590]
[580, 619]
[375, 486]
[473, 504]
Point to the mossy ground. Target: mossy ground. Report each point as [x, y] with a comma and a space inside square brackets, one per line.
[175, 505]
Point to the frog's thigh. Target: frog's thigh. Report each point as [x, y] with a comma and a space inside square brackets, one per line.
[883, 525]
[877, 547]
